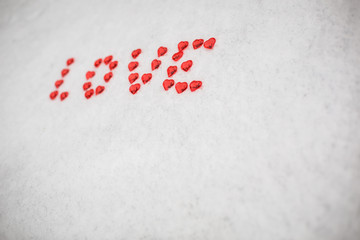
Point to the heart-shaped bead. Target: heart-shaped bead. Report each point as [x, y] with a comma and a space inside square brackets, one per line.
[86, 86]
[70, 61]
[171, 70]
[195, 85]
[209, 44]
[58, 83]
[134, 88]
[181, 87]
[182, 45]
[161, 51]
[145, 78]
[99, 89]
[177, 56]
[186, 65]
[53, 95]
[133, 77]
[133, 65]
[108, 76]
[136, 53]
[89, 93]
[63, 95]
[98, 62]
[64, 72]
[113, 65]
[89, 75]
[155, 64]
[108, 59]
[168, 83]
[197, 43]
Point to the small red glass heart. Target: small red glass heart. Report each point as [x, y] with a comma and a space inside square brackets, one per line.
[145, 78]
[168, 83]
[181, 87]
[133, 77]
[133, 65]
[134, 88]
[155, 64]
[161, 51]
[171, 70]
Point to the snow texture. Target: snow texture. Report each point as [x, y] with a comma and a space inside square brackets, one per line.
[268, 148]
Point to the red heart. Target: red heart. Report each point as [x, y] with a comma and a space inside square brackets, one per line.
[197, 43]
[182, 45]
[58, 83]
[168, 83]
[155, 64]
[86, 86]
[171, 70]
[53, 95]
[64, 72]
[186, 65]
[210, 43]
[63, 95]
[99, 89]
[133, 77]
[89, 93]
[136, 53]
[113, 65]
[162, 51]
[134, 88]
[133, 65]
[90, 74]
[98, 62]
[70, 61]
[108, 59]
[146, 77]
[177, 56]
[195, 85]
[108, 76]
[181, 87]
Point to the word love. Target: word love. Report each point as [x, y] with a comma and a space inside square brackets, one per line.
[134, 76]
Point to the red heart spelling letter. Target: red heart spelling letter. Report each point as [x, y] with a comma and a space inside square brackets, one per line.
[58, 83]
[177, 56]
[182, 45]
[136, 53]
[146, 77]
[98, 62]
[63, 95]
[195, 85]
[64, 72]
[90, 74]
[89, 93]
[108, 76]
[181, 87]
[171, 70]
[186, 65]
[134, 88]
[155, 64]
[108, 59]
[132, 77]
[133, 65]
[162, 51]
[113, 65]
[86, 86]
[70, 61]
[168, 83]
[197, 43]
[53, 95]
[99, 89]
[209, 44]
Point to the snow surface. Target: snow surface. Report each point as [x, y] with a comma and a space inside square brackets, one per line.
[269, 148]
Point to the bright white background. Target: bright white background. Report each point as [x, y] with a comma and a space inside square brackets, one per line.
[269, 148]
